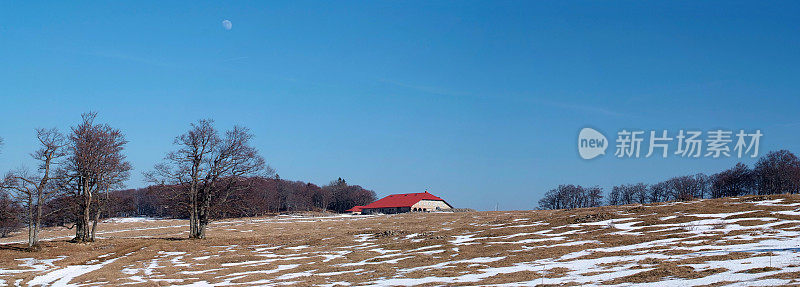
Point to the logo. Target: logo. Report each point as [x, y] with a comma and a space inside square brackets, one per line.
[591, 143]
[636, 143]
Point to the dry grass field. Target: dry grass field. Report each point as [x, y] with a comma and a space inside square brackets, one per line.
[743, 241]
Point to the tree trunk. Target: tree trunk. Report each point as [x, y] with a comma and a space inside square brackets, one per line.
[38, 222]
[193, 215]
[94, 227]
[87, 215]
[203, 207]
[94, 224]
[100, 209]
[203, 220]
[78, 229]
[31, 222]
[82, 220]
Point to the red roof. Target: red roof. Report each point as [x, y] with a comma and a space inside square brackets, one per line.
[402, 200]
[356, 208]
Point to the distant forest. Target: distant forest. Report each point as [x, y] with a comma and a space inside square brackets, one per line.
[256, 196]
[777, 172]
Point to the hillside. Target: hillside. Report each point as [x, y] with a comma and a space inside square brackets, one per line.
[735, 241]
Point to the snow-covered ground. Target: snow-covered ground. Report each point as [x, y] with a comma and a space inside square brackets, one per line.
[128, 219]
[735, 242]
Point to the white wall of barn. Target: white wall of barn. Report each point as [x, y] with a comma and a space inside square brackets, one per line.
[430, 205]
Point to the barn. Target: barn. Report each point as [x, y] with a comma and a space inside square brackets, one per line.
[355, 210]
[399, 203]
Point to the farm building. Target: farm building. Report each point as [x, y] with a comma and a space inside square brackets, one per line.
[399, 203]
[355, 210]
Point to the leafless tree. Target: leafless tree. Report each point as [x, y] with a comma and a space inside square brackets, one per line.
[703, 181]
[322, 197]
[571, 196]
[614, 196]
[97, 164]
[344, 196]
[205, 165]
[736, 181]
[778, 172]
[685, 188]
[628, 194]
[594, 196]
[32, 190]
[9, 214]
[638, 192]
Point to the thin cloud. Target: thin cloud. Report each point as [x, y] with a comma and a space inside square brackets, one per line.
[130, 58]
[113, 54]
[584, 108]
[424, 89]
[447, 92]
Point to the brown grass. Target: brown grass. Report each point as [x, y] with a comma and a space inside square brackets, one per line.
[665, 270]
[234, 242]
[760, 270]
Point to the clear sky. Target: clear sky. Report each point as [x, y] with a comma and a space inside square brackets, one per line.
[478, 102]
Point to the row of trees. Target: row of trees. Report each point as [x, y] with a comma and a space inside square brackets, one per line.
[568, 196]
[210, 174]
[776, 172]
[676, 188]
[258, 196]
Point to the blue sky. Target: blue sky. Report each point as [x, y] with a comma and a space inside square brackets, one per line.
[478, 102]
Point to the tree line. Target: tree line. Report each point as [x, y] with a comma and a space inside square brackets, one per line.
[777, 172]
[258, 196]
[79, 176]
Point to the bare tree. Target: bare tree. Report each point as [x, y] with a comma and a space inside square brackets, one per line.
[703, 181]
[614, 196]
[685, 188]
[594, 196]
[571, 196]
[9, 215]
[96, 164]
[322, 197]
[638, 192]
[205, 165]
[33, 190]
[660, 192]
[628, 194]
[344, 196]
[778, 172]
[736, 181]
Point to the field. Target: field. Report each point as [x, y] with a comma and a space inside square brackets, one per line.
[745, 241]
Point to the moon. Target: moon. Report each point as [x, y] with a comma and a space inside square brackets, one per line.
[227, 24]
